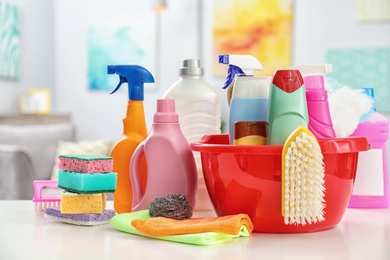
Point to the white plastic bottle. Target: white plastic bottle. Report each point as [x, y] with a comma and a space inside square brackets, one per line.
[199, 108]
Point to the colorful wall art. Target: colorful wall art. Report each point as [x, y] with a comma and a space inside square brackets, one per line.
[262, 28]
[373, 10]
[9, 41]
[125, 38]
[363, 68]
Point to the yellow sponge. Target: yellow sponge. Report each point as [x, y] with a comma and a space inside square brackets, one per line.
[73, 203]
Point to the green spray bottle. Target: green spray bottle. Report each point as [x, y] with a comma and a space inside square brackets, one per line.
[287, 106]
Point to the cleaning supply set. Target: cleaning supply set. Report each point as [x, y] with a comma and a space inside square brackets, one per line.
[171, 166]
[85, 179]
[297, 166]
[199, 109]
[274, 114]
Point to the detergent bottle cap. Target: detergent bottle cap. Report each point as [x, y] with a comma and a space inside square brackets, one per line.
[191, 67]
[240, 65]
[135, 76]
[288, 80]
[314, 80]
[315, 88]
[165, 112]
[245, 128]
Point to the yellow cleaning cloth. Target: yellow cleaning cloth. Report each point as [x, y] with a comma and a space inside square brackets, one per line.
[161, 226]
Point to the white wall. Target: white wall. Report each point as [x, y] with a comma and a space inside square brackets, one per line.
[320, 25]
[98, 114]
[36, 51]
[60, 61]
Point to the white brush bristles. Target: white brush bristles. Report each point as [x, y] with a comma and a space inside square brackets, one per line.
[304, 184]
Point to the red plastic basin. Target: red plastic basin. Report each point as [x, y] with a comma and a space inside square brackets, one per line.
[247, 179]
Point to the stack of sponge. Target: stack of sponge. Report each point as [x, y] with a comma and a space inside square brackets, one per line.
[85, 180]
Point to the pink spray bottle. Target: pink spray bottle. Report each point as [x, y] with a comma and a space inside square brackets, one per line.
[320, 121]
[170, 162]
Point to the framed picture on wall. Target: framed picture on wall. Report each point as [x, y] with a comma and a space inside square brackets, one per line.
[373, 10]
[259, 28]
[9, 41]
[35, 101]
[126, 38]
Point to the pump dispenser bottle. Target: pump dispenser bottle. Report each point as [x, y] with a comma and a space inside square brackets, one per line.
[249, 101]
[198, 106]
[134, 132]
[170, 162]
[371, 188]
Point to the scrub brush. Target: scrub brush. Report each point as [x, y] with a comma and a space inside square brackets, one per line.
[44, 201]
[303, 182]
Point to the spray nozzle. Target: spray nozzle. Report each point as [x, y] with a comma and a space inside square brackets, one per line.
[232, 72]
[240, 65]
[314, 79]
[135, 76]
[313, 69]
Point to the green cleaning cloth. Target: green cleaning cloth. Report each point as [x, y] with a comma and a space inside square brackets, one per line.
[122, 222]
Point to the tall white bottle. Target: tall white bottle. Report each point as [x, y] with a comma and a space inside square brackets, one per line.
[199, 108]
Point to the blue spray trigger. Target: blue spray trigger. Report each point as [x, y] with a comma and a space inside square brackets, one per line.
[135, 76]
[121, 80]
[232, 72]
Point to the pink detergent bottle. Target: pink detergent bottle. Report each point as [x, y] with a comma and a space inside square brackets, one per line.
[371, 185]
[170, 162]
[320, 122]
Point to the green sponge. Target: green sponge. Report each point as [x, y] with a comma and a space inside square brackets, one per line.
[86, 183]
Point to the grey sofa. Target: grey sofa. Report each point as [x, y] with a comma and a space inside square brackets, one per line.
[27, 153]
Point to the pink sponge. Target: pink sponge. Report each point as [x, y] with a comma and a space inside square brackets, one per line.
[85, 163]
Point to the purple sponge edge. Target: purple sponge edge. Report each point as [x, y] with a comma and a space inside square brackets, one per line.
[80, 219]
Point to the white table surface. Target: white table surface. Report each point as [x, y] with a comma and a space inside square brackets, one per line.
[25, 234]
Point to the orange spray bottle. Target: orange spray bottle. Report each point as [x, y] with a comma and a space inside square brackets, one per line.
[134, 132]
